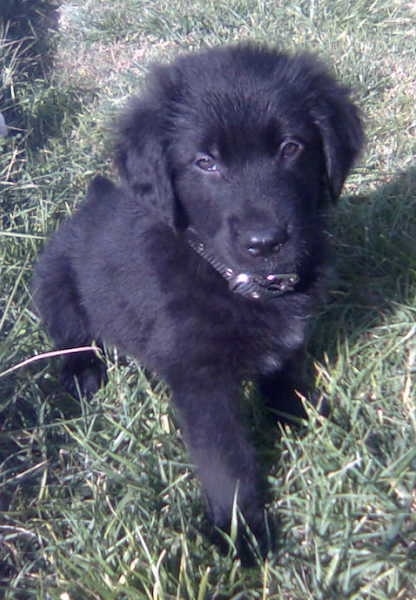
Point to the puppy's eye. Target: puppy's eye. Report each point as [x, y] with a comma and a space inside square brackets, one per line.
[205, 162]
[290, 149]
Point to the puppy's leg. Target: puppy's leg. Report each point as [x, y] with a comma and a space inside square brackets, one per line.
[57, 300]
[225, 460]
[283, 397]
[285, 393]
[84, 373]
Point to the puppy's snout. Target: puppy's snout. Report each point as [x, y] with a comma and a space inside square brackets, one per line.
[264, 241]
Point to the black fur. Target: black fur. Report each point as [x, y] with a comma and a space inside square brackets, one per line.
[242, 146]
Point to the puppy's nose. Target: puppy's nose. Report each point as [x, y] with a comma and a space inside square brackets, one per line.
[266, 241]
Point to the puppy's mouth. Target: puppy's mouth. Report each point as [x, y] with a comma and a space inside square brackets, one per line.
[247, 284]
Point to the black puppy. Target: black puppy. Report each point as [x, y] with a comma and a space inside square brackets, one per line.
[208, 259]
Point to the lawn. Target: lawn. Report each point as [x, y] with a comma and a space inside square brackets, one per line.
[97, 499]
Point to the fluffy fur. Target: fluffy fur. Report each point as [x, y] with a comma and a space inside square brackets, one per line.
[206, 261]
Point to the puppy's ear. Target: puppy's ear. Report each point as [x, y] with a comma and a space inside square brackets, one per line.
[140, 157]
[342, 135]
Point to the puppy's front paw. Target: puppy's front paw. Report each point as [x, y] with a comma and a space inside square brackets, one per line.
[83, 374]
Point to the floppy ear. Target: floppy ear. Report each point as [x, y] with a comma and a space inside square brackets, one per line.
[140, 157]
[342, 135]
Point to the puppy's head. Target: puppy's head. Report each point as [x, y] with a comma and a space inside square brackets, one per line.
[240, 148]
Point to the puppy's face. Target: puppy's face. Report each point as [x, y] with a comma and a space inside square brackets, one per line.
[240, 147]
[249, 180]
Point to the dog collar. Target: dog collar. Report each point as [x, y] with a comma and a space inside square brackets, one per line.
[247, 284]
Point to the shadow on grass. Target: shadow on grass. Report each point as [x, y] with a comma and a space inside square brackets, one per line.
[32, 23]
[32, 105]
[374, 238]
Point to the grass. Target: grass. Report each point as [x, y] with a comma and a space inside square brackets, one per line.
[97, 499]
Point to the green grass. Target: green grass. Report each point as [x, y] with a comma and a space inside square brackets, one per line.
[98, 500]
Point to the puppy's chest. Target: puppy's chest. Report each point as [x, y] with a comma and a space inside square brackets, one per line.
[256, 340]
[270, 342]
